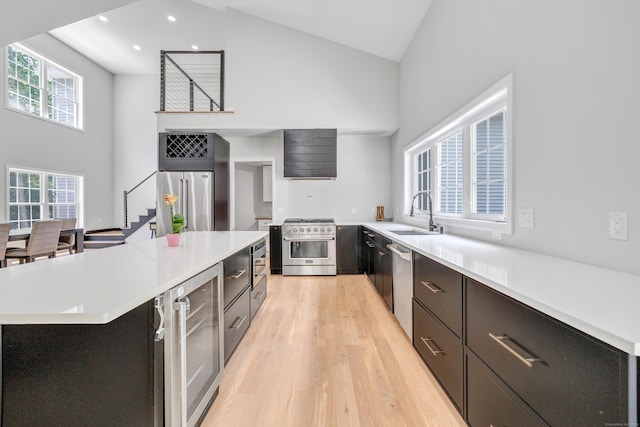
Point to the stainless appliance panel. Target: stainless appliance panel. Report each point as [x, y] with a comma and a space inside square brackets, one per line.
[193, 346]
[319, 251]
[259, 262]
[167, 182]
[198, 201]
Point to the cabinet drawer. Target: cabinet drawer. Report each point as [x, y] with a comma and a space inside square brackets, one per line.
[439, 288]
[441, 351]
[236, 274]
[571, 379]
[236, 322]
[258, 295]
[490, 403]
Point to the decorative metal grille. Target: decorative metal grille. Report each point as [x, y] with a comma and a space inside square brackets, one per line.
[187, 147]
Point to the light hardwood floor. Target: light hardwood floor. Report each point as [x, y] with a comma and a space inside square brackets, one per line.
[325, 351]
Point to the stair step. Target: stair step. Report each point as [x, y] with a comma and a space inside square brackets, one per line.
[99, 244]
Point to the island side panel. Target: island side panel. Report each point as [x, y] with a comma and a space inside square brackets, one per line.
[80, 375]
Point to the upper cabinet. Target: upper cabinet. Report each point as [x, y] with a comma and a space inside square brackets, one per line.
[310, 153]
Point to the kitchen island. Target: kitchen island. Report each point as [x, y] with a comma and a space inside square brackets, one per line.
[77, 331]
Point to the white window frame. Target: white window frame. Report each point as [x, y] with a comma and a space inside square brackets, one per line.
[44, 192]
[498, 97]
[43, 114]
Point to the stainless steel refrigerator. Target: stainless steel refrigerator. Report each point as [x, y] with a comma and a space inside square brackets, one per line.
[196, 201]
[195, 167]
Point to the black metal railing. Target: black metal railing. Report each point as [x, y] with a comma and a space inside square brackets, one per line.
[126, 198]
[192, 81]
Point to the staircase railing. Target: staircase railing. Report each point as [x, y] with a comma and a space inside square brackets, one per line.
[192, 81]
[126, 198]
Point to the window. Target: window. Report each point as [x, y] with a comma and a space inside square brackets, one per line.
[36, 195]
[42, 88]
[472, 174]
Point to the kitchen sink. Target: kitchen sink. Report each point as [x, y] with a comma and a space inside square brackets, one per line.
[412, 232]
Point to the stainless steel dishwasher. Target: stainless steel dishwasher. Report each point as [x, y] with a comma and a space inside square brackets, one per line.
[402, 286]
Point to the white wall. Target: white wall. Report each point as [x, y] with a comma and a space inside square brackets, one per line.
[135, 143]
[278, 78]
[33, 143]
[363, 180]
[575, 104]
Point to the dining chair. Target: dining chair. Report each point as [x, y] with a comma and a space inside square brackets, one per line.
[66, 243]
[4, 238]
[43, 241]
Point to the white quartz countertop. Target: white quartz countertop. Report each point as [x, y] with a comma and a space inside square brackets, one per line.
[600, 302]
[99, 286]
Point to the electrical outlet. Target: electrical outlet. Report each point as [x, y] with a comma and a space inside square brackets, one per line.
[353, 210]
[525, 217]
[618, 225]
[496, 235]
[373, 210]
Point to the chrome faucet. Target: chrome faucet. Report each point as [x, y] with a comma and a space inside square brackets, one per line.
[432, 225]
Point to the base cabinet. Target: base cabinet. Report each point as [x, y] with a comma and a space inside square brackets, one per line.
[275, 249]
[491, 403]
[236, 322]
[441, 351]
[347, 249]
[567, 377]
[503, 363]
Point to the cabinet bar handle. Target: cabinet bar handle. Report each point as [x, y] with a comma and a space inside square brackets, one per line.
[500, 339]
[239, 321]
[371, 245]
[259, 295]
[238, 274]
[426, 342]
[431, 286]
[381, 253]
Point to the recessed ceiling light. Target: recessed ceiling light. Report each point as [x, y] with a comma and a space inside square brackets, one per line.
[103, 18]
[194, 47]
[171, 18]
[136, 47]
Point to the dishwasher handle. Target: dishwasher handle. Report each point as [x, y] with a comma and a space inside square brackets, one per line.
[394, 248]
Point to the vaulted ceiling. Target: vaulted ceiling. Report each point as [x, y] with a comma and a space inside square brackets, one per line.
[380, 27]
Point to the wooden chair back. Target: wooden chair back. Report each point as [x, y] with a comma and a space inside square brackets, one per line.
[44, 238]
[68, 223]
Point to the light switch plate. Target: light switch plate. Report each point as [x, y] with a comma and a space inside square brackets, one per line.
[525, 217]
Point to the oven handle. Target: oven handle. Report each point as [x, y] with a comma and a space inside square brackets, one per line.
[315, 239]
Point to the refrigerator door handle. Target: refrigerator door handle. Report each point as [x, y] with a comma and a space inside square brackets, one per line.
[185, 205]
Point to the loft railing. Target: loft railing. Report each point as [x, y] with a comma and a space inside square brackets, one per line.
[192, 81]
[126, 198]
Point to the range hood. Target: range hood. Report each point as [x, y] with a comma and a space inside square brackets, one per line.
[310, 154]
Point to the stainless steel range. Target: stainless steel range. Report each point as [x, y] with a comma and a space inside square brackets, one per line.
[309, 247]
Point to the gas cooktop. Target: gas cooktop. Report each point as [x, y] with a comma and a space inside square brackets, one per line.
[309, 221]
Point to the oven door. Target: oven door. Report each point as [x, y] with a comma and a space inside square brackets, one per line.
[309, 251]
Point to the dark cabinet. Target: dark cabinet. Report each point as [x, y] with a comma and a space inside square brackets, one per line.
[310, 153]
[568, 378]
[439, 289]
[491, 403]
[275, 251]
[236, 322]
[81, 375]
[237, 275]
[368, 254]
[441, 350]
[378, 264]
[347, 249]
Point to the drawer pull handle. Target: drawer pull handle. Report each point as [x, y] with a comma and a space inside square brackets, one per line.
[259, 295]
[381, 253]
[370, 245]
[238, 274]
[239, 321]
[426, 342]
[431, 286]
[500, 339]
